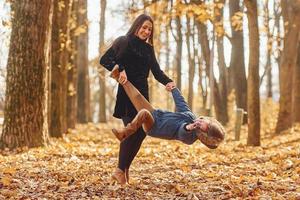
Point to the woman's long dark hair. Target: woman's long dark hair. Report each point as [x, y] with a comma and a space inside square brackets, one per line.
[120, 46]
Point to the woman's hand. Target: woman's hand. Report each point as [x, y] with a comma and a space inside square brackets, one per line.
[123, 77]
[170, 86]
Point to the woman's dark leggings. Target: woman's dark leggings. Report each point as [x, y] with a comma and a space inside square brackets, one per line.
[130, 146]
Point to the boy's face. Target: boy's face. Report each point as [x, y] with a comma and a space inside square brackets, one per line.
[202, 123]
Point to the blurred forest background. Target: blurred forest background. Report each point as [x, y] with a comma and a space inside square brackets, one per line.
[225, 56]
[237, 60]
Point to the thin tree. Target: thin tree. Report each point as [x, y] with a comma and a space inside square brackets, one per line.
[191, 62]
[25, 112]
[208, 59]
[218, 12]
[83, 87]
[237, 60]
[178, 40]
[167, 64]
[296, 87]
[268, 67]
[59, 61]
[253, 75]
[102, 102]
[72, 71]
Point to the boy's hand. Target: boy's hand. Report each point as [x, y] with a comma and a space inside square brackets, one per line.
[191, 127]
[170, 86]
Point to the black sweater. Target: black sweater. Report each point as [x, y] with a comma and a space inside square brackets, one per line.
[137, 60]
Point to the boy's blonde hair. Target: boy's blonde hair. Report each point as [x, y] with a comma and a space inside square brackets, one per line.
[215, 134]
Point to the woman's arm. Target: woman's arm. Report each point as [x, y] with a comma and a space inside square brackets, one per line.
[108, 60]
[112, 56]
[158, 74]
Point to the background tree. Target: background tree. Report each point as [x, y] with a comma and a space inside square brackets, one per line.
[25, 112]
[191, 62]
[83, 112]
[291, 14]
[72, 70]
[253, 75]
[237, 60]
[178, 39]
[59, 67]
[296, 87]
[102, 91]
[269, 34]
[218, 13]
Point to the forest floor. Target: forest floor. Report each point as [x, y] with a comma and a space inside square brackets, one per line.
[79, 166]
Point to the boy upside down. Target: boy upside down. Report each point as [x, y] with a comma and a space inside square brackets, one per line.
[180, 125]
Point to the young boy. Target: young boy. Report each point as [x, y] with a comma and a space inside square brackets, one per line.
[179, 125]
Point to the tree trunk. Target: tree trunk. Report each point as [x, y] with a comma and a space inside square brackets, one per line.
[25, 112]
[202, 30]
[269, 76]
[83, 112]
[59, 53]
[253, 75]
[237, 63]
[268, 69]
[222, 66]
[202, 83]
[191, 64]
[102, 103]
[178, 56]
[72, 73]
[287, 65]
[296, 88]
[167, 47]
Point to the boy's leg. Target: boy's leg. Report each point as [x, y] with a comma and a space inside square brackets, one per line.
[137, 99]
[143, 118]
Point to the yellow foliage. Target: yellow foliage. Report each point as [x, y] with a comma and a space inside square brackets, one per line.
[71, 89]
[61, 6]
[79, 30]
[79, 166]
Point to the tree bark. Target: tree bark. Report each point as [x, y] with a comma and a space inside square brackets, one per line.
[178, 56]
[253, 75]
[202, 80]
[83, 112]
[191, 64]
[167, 47]
[72, 72]
[237, 60]
[287, 65]
[268, 67]
[102, 102]
[296, 88]
[59, 58]
[25, 112]
[222, 66]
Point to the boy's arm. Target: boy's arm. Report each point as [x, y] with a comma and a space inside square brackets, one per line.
[181, 105]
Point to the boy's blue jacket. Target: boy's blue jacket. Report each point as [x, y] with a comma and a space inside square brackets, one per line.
[170, 125]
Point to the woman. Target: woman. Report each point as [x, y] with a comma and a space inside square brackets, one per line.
[134, 54]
